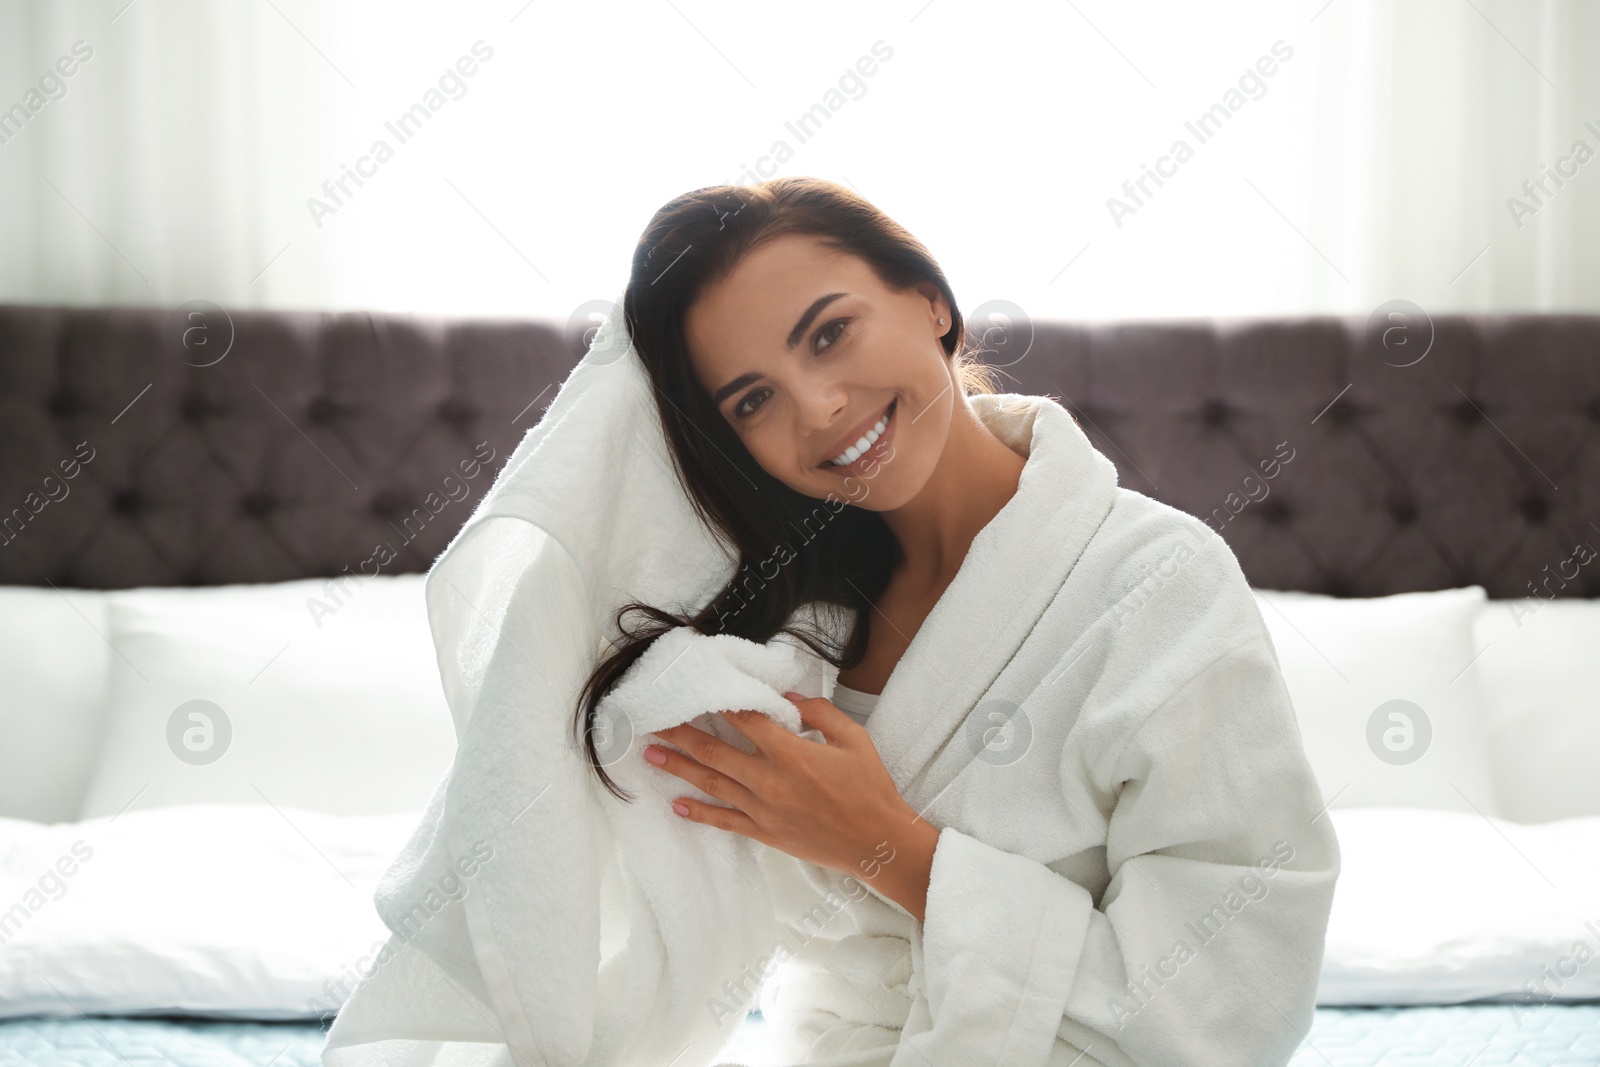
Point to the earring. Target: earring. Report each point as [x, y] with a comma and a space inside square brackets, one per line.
[941, 320]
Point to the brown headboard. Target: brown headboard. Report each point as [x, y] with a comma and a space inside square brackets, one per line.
[207, 448]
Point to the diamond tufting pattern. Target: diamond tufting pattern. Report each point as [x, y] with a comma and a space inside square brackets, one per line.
[322, 436]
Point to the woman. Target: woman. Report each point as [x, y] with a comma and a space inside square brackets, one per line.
[1069, 778]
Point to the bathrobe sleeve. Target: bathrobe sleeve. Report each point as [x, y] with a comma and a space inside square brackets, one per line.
[1206, 945]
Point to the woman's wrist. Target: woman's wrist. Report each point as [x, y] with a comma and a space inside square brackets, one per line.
[904, 879]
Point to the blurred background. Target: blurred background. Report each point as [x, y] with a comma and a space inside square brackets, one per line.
[280, 279]
[1436, 150]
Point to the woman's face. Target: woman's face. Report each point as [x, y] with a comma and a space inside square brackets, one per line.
[803, 351]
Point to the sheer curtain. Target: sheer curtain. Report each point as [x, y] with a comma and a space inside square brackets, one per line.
[501, 158]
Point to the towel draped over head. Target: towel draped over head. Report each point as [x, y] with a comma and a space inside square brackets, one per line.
[532, 913]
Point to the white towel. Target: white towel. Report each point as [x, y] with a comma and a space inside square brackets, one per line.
[537, 919]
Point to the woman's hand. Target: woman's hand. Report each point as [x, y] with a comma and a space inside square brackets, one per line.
[831, 804]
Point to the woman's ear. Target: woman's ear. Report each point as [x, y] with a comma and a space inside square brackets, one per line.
[936, 301]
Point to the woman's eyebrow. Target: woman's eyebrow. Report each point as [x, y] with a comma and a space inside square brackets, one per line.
[794, 338]
[811, 312]
[733, 387]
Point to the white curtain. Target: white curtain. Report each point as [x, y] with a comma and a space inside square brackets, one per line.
[187, 156]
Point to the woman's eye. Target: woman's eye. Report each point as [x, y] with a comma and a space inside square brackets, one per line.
[841, 323]
[739, 409]
[744, 409]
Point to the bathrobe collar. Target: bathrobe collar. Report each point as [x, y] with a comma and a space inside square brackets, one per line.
[927, 724]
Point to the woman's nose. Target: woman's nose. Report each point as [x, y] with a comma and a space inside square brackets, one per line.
[820, 407]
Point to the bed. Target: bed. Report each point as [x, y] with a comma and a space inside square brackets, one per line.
[190, 493]
[1340, 1037]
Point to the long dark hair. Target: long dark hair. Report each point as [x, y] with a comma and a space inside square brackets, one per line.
[844, 555]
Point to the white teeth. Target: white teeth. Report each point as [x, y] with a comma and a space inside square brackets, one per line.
[855, 451]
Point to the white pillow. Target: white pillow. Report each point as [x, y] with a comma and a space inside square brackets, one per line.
[1442, 907]
[230, 910]
[328, 700]
[54, 658]
[1388, 708]
[1542, 686]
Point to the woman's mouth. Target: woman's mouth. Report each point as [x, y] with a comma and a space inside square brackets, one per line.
[869, 449]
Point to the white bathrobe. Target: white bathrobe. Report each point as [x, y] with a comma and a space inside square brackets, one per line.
[1133, 867]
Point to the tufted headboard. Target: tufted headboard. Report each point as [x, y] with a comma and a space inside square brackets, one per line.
[161, 447]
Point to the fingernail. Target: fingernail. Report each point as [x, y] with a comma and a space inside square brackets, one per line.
[680, 807]
[792, 695]
[655, 755]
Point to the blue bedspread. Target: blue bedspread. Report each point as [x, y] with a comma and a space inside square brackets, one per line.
[1555, 1035]
[102, 1041]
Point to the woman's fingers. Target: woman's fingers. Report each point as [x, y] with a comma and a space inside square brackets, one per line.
[710, 764]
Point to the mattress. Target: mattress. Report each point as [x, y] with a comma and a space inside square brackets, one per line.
[1485, 1035]
[93, 1041]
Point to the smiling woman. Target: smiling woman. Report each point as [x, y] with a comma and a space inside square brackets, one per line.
[1042, 716]
[782, 324]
